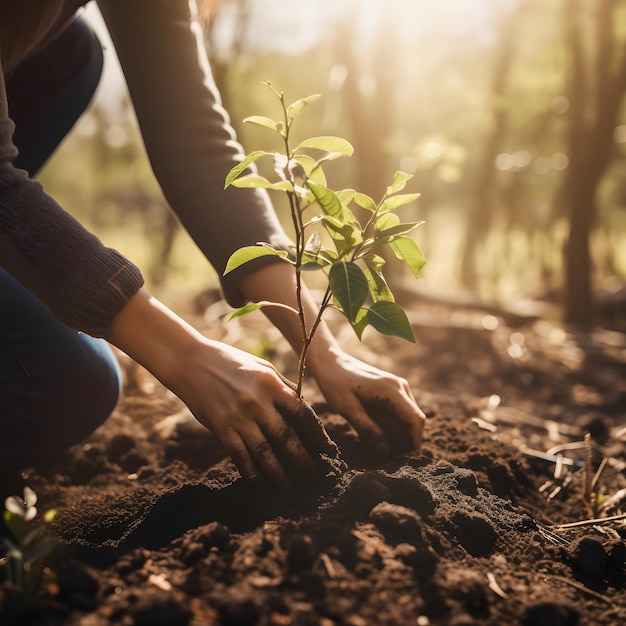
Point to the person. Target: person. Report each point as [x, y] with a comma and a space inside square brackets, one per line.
[65, 296]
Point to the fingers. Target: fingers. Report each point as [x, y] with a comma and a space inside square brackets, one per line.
[270, 449]
[306, 424]
[385, 415]
[411, 415]
[365, 424]
[310, 431]
[256, 458]
[289, 449]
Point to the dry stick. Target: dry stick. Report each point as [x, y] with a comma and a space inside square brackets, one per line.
[614, 500]
[328, 564]
[562, 447]
[591, 522]
[582, 588]
[495, 587]
[598, 474]
[588, 470]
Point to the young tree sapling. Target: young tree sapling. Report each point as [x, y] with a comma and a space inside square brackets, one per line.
[353, 266]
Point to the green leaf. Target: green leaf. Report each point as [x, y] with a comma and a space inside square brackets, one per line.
[261, 120]
[322, 259]
[307, 162]
[345, 196]
[16, 524]
[312, 266]
[386, 220]
[400, 229]
[259, 182]
[331, 203]
[249, 253]
[327, 199]
[360, 323]
[390, 319]
[344, 235]
[407, 250]
[244, 310]
[312, 168]
[349, 287]
[389, 225]
[379, 289]
[328, 144]
[328, 255]
[365, 201]
[400, 180]
[295, 108]
[235, 171]
[395, 202]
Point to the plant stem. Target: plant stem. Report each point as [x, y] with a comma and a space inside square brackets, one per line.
[296, 217]
[308, 338]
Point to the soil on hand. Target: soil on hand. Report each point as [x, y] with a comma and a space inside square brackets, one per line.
[468, 530]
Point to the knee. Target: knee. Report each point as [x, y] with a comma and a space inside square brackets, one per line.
[90, 388]
[60, 403]
[84, 57]
[98, 379]
[91, 55]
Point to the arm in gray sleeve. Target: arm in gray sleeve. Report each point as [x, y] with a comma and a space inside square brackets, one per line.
[187, 133]
[84, 283]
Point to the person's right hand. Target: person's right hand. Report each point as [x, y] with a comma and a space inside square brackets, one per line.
[269, 432]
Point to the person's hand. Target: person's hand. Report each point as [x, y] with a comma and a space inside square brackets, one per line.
[379, 405]
[269, 432]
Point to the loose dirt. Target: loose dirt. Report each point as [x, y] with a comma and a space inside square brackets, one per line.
[466, 531]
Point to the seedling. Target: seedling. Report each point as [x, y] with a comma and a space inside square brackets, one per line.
[26, 551]
[353, 266]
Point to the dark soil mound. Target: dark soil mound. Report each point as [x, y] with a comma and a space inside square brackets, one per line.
[469, 530]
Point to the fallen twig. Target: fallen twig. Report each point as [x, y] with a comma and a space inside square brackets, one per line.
[495, 587]
[582, 588]
[588, 471]
[590, 522]
[613, 501]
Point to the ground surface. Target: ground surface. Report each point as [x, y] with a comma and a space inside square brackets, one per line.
[463, 532]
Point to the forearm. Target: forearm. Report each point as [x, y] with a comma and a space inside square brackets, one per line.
[155, 337]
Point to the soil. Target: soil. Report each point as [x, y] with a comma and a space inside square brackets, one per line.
[160, 530]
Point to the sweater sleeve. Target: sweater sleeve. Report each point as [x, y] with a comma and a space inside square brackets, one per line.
[187, 133]
[84, 283]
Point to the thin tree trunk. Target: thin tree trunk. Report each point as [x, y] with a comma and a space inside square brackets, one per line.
[594, 108]
[483, 203]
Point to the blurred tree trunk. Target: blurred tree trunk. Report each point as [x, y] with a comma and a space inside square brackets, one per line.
[484, 197]
[367, 104]
[596, 85]
[368, 100]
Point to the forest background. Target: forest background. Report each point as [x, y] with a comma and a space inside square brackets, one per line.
[509, 113]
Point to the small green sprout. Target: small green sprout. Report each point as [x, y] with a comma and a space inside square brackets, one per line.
[26, 551]
[353, 265]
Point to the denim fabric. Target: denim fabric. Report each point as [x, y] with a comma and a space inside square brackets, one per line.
[56, 385]
[49, 91]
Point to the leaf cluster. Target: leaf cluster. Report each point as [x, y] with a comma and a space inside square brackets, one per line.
[352, 263]
[26, 551]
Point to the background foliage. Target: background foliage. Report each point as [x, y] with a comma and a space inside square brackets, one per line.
[509, 113]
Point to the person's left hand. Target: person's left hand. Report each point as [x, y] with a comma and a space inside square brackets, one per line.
[379, 405]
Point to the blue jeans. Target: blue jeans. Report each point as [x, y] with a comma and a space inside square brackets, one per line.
[56, 385]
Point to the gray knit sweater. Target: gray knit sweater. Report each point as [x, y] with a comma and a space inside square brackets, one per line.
[191, 146]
